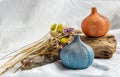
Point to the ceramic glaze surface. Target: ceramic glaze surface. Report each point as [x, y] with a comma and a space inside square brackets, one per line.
[77, 55]
[95, 25]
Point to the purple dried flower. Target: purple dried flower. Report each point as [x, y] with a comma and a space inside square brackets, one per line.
[67, 30]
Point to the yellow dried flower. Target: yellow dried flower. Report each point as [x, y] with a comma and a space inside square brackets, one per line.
[53, 27]
[59, 28]
[64, 40]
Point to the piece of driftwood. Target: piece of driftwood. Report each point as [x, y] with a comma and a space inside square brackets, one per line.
[103, 47]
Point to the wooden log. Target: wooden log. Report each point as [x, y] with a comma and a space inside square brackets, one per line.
[103, 47]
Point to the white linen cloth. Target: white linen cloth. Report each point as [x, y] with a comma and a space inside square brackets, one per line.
[25, 21]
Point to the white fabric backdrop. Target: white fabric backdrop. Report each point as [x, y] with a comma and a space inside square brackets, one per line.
[25, 21]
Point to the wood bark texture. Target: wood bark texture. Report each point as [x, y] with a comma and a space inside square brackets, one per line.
[103, 47]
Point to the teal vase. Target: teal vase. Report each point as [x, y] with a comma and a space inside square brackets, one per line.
[77, 54]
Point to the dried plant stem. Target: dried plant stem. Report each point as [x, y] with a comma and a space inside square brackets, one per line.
[47, 46]
[27, 51]
[23, 57]
[38, 45]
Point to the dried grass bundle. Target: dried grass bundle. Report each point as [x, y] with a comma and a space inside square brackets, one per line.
[47, 49]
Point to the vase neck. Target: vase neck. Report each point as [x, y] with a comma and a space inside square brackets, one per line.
[94, 10]
[77, 37]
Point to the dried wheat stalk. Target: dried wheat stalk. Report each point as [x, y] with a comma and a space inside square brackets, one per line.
[48, 45]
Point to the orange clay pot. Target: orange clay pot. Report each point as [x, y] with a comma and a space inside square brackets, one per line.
[95, 25]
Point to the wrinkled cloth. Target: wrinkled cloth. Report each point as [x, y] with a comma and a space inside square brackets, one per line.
[25, 21]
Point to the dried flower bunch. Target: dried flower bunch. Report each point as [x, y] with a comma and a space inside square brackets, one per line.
[43, 51]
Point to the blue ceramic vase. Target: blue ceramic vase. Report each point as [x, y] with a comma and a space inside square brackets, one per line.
[77, 54]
